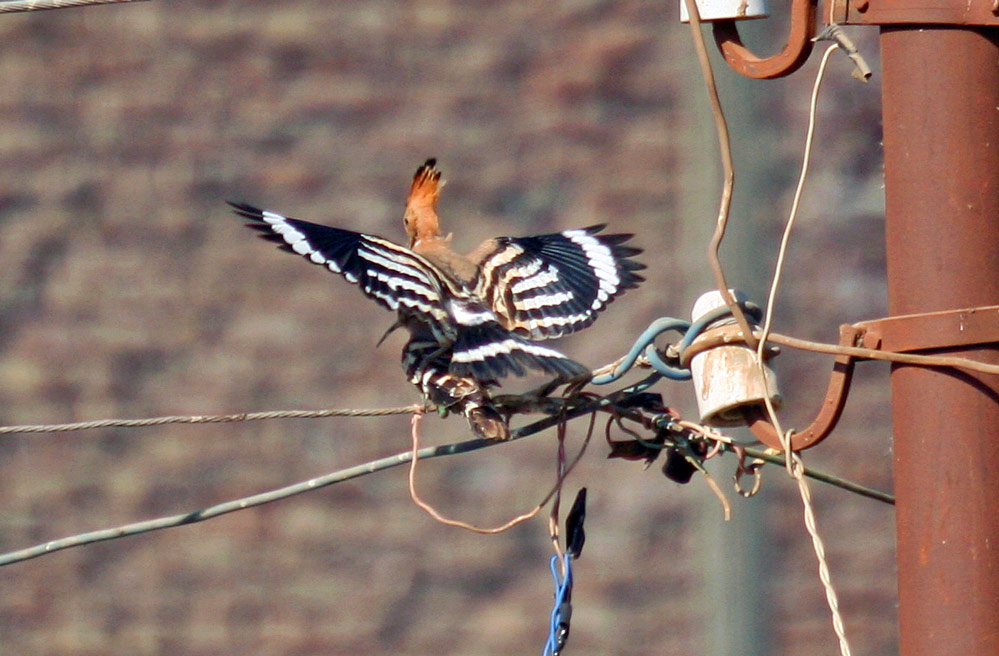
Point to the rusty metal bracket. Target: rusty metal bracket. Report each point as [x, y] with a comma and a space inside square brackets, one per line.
[899, 334]
[830, 411]
[795, 52]
[907, 12]
[932, 330]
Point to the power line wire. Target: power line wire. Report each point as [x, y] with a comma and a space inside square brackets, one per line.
[585, 407]
[208, 419]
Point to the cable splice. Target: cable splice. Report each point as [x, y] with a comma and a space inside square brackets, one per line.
[561, 615]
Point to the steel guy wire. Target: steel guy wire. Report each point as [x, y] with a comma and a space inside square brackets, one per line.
[13, 6]
[208, 419]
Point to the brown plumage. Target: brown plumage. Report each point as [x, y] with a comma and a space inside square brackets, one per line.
[473, 319]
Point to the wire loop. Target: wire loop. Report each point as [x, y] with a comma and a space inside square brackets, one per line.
[562, 609]
[752, 469]
[669, 366]
[643, 344]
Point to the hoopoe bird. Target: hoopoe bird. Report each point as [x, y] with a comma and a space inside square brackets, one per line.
[472, 319]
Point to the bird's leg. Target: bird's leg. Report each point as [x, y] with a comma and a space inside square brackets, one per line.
[572, 385]
[575, 385]
[452, 393]
[540, 399]
[427, 359]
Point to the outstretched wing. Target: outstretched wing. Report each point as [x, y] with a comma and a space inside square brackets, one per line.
[485, 351]
[393, 276]
[466, 332]
[552, 285]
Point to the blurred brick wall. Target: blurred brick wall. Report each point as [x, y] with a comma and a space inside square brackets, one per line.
[128, 289]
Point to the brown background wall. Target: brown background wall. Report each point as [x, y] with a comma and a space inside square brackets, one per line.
[127, 289]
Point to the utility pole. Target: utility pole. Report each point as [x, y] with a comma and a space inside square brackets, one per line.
[941, 145]
[940, 108]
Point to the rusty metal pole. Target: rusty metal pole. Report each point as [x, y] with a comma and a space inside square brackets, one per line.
[941, 147]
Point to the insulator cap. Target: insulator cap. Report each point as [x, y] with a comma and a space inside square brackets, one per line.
[711, 10]
[726, 378]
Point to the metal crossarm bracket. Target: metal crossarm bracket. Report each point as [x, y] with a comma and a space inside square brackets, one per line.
[900, 334]
[932, 330]
[901, 12]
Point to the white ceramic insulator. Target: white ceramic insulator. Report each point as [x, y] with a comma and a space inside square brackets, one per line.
[727, 378]
[710, 10]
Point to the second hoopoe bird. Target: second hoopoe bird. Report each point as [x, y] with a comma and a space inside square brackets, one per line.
[472, 319]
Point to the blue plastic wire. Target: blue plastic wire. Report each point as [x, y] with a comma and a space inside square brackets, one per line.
[646, 344]
[642, 344]
[562, 609]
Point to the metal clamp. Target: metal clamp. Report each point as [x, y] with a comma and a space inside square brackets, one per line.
[932, 330]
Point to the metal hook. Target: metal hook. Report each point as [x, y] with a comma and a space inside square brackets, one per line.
[832, 404]
[795, 52]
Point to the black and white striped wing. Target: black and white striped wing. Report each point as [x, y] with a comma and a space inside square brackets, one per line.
[389, 274]
[475, 342]
[552, 285]
[487, 351]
